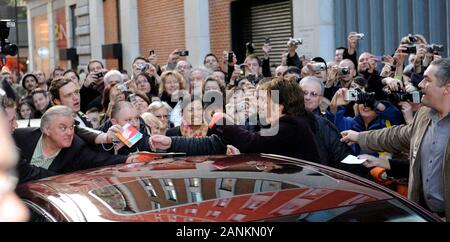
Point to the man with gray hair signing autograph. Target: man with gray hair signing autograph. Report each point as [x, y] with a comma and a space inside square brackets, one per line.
[427, 139]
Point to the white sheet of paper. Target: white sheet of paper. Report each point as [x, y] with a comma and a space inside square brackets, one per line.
[353, 160]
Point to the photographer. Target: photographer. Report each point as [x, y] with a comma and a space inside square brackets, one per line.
[367, 68]
[340, 77]
[352, 45]
[173, 59]
[93, 86]
[253, 70]
[142, 65]
[427, 139]
[153, 59]
[291, 57]
[318, 68]
[370, 113]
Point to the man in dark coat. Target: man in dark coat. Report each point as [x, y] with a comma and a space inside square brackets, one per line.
[55, 149]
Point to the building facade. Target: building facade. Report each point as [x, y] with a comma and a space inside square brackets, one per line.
[117, 31]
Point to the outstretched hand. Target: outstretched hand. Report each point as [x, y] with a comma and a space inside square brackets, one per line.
[160, 142]
[350, 137]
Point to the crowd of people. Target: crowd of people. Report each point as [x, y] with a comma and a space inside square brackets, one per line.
[392, 110]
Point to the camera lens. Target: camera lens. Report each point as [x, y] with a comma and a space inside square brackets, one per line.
[11, 49]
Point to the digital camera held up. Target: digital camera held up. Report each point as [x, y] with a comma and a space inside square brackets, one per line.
[142, 67]
[122, 87]
[358, 96]
[182, 53]
[297, 41]
[318, 67]
[435, 48]
[250, 48]
[344, 70]
[396, 97]
[359, 35]
[410, 49]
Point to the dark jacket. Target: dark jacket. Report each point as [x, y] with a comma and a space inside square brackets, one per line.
[168, 99]
[331, 150]
[176, 131]
[78, 156]
[209, 145]
[85, 119]
[294, 61]
[294, 138]
[90, 98]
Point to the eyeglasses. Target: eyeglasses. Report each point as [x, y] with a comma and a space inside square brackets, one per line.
[311, 94]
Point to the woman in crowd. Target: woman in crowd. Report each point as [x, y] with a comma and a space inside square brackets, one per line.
[25, 110]
[146, 84]
[161, 110]
[139, 101]
[193, 124]
[171, 91]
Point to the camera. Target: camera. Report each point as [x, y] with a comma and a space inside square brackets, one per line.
[358, 96]
[267, 40]
[99, 74]
[351, 95]
[410, 49]
[142, 67]
[297, 41]
[344, 70]
[122, 87]
[6, 48]
[250, 47]
[132, 98]
[151, 52]
[318, 67]
[230, 56]
[252, 79]
[359, 36]
[242, 69]
[182, 53]
[435, 48]
[396, 97]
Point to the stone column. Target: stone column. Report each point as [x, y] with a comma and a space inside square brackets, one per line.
[196, 16]
[129, 32]
[314, 23]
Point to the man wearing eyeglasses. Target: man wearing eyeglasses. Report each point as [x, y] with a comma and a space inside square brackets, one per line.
[331, 150]
[55, 149]
[313, 89]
